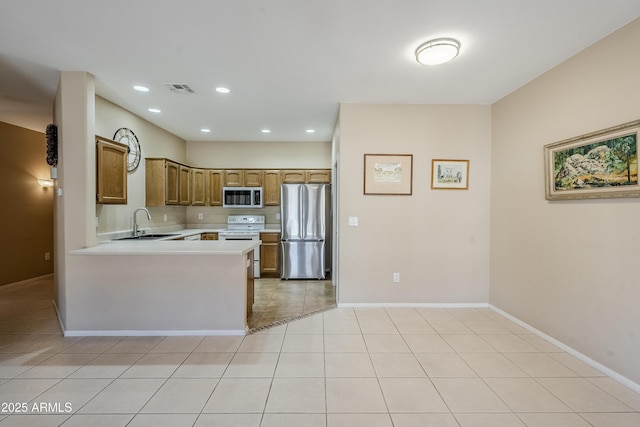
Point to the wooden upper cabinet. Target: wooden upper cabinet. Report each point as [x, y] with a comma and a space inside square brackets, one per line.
[306, 176]
[271, 188]
[243, 177]
[162, 182]
[293, 176]
[253, 177]
[234, 178]
[214, 186]
[185, 185]
[111, 168]
[198, 188]
[318, 176]
[171, 183]
[172, 189]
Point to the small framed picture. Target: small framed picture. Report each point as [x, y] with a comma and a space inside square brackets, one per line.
[388, 174]
[449, 174]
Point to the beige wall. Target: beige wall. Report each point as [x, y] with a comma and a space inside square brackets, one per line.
[154, 142]
[568, 268]
[438, 240]
[259, 154]
[26, 220]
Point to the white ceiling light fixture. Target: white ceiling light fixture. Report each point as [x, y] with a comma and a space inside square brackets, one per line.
[265, 131]
[437, 51]
[154, 110]
[141, 88]
[222, 90]
[205, 130]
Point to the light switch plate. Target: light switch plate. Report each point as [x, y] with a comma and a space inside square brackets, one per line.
[353, 221]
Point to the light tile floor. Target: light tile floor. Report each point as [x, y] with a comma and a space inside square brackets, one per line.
[375, 367]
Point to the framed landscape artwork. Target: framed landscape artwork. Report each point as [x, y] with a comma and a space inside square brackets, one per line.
[602, 164]
[388, 174]
[450, 174]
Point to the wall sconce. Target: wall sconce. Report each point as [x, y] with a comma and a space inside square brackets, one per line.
[45, 182]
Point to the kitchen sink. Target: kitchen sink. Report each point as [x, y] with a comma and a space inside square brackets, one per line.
[147, 237]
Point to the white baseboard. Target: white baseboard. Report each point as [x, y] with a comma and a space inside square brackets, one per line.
[414, 305]
[596, 365]
[154, 333]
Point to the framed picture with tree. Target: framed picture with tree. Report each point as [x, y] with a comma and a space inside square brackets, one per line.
[602, 164]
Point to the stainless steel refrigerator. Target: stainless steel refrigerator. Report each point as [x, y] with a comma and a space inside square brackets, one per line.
[305, 212]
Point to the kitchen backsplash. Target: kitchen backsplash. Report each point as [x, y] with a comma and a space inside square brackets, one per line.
[216, 215]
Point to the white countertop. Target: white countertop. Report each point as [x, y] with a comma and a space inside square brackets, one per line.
[184, 232]
[170, 247]
[267, 229]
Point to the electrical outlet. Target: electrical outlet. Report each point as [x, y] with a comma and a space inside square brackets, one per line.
[165, 217]
[47, 256]
[396, 277]
[200, 216]
[353, 221]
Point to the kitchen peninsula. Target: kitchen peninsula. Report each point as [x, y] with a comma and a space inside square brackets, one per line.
[169, 287]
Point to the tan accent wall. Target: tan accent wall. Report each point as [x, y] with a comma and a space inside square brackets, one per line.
[568, 268]
[26, 216]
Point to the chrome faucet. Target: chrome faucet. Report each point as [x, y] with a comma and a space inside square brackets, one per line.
[135, 231]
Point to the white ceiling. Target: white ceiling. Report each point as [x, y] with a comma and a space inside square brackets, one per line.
[288, 63]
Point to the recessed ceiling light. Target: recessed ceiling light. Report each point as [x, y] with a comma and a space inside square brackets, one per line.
[141, 88]
[437, 51]
[205, 130]
[154, 110]
[266, 131]
[310, 130]
[222, 90]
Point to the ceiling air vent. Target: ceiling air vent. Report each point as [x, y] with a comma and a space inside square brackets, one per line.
[180, 88]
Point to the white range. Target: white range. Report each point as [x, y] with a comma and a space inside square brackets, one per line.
[245, 227]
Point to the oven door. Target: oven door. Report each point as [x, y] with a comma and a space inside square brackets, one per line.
[225, 235]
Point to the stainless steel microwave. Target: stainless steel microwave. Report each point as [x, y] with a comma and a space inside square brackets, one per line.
[242, 197]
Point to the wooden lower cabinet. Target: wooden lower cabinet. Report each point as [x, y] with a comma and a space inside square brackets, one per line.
[270, 255]
[209, 236]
